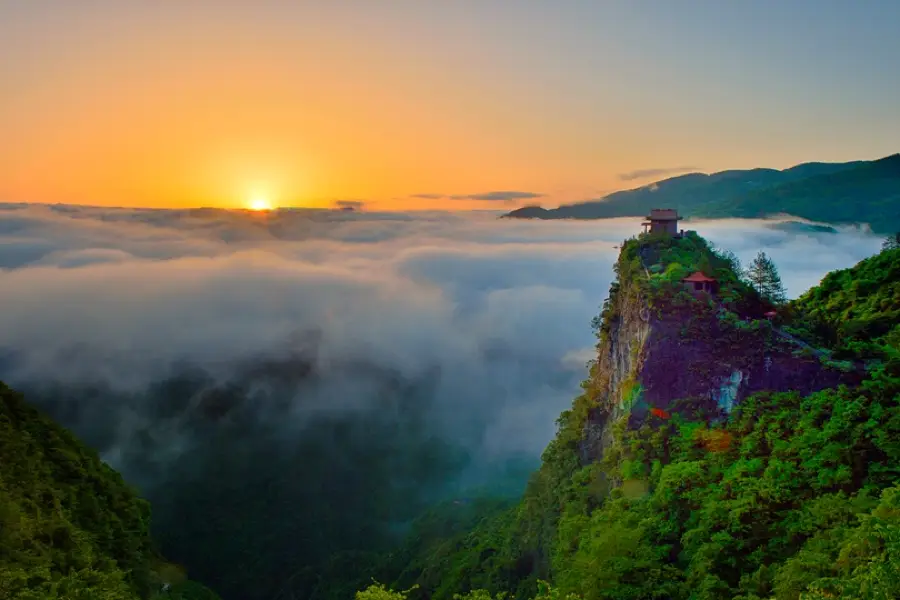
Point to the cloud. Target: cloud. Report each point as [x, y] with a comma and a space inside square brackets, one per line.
[497, 196]
[349, 204]
[503, 196]
[654, 172]
[317, 366]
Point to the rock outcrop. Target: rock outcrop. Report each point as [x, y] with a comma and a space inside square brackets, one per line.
[693, 355]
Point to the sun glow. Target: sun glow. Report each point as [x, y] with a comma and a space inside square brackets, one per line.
[259, 203]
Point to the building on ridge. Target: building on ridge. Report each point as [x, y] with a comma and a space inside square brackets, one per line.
[698, 282]
[662, 220]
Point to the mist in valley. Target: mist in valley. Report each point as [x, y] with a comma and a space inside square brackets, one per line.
[295, 386]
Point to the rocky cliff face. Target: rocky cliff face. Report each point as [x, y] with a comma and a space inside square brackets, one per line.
[616, 374]
[687, 355]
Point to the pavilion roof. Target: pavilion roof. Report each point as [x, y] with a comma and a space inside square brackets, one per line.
[699, 277]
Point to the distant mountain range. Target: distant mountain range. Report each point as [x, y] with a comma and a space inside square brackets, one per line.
[851, 192]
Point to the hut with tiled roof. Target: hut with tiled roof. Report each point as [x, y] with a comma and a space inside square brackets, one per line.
[698, 282]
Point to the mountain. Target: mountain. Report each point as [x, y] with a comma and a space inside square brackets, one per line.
[717, 452]
[860, 191]
[713, 454]
[70, 528]
[869, 193]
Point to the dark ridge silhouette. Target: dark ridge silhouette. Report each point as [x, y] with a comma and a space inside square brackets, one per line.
[851, 192]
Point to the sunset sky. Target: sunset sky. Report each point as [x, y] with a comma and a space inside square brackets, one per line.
[430, 103]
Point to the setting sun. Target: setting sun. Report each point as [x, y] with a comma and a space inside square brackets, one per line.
[259, 203]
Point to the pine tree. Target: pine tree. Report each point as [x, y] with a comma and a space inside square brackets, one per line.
[763, 276]
[732, 260]
[891, 242]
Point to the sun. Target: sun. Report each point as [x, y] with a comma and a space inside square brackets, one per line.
[259, 203]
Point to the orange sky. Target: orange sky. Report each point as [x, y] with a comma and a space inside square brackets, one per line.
[214, 103]
[215, 116]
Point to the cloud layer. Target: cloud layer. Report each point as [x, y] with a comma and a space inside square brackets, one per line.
[654, 172]
[282, 353]
[349, 204]
[503, 196]
[135, 290]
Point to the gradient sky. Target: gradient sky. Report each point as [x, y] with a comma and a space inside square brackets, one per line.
[194, 103]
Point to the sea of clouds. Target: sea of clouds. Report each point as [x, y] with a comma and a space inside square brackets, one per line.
[147, 330]
[501, 306]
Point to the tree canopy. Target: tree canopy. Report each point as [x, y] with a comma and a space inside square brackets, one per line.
[70, 527]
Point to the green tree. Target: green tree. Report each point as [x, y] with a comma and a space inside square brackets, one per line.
[378, 591]
[70, 527]
[763, 276]
[891, 242]
[731, 260]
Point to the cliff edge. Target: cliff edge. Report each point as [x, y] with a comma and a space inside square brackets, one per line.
[719, 450]
[666, 348]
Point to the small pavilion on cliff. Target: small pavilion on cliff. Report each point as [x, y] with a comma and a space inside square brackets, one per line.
[698, 282]
[662, 220]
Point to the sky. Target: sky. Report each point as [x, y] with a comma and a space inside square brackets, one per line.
[411, 105]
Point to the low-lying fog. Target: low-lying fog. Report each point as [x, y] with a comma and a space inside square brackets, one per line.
[291, 383]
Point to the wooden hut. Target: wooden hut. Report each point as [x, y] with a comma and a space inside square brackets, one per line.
[662, 220]
[698, 282]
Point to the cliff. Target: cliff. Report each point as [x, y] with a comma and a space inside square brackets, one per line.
[713, 454]
[696, 355]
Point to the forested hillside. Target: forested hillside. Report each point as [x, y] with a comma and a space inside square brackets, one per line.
[856, 310]
[789, 495]
[854, 192]
[867, 193]
[70, 528]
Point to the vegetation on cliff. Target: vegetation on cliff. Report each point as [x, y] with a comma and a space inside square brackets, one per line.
[856, 311]
[70, 528]
[764, 277]
[891, 241]
[791, 496]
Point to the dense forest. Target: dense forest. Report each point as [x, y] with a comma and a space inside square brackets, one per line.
[70, 527]
[787, 494]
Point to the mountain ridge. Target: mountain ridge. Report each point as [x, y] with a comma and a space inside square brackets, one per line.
[851, 192]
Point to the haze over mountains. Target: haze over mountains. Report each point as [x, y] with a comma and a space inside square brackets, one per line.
[317, 375]
[851, 192]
